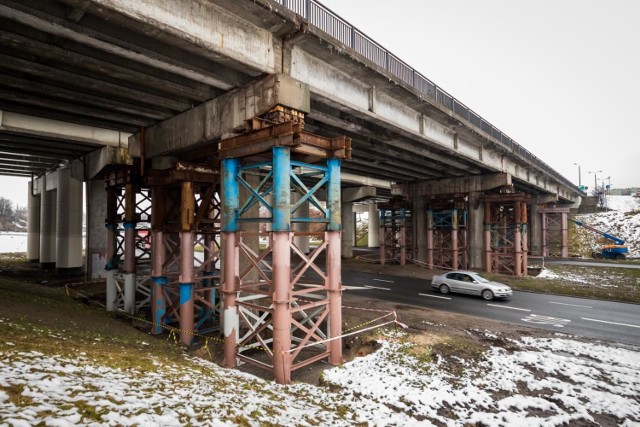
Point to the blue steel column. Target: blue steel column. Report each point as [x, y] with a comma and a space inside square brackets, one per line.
[281, 281]
[334, 262]
[230, 203]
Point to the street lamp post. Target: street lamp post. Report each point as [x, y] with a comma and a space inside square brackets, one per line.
[595, 179]
[579, 175]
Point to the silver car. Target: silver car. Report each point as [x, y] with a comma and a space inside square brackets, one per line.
[468, 282]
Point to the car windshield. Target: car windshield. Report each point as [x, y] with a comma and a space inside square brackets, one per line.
[481, 279]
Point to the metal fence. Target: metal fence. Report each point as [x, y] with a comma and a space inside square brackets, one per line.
[318, 15]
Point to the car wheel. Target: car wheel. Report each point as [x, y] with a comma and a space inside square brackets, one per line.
[444, 289]
[487, 295]
[620, 256]
[597, 255]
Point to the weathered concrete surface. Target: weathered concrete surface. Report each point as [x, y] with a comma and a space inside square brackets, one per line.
[224, 115]
[454, 185]
[96, 162]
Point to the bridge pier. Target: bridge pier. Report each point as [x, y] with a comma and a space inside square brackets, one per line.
[396, 231]
[555, 238]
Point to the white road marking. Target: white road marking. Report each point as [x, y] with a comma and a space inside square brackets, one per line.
[433, 296]
[611, 323]
[510, 308]
[375, 287]
[353, 288]
[570, 305]
[546, 320]
[382, 280]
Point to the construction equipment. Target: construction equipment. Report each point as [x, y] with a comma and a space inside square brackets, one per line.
[616, 251]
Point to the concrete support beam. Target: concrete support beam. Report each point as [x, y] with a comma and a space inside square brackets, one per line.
[348, 229]
[47, 227]
[92, 165]
[419, 227]
[358, 193]
[374, 226]
[535, 230]
[56, 129]
[223, 115]
[33, 225]
[475, 235]
[68, 224]
[467, 184]
[96, 211]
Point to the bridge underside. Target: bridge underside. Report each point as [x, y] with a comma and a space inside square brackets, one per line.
[233, 127]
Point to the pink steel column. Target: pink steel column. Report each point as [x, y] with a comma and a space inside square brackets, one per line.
[334, 288]
[525, 243]
[281, 306]
[565, 235]
[545, 231]
[454, 239]
[129, 248]
[186, 287]
[430, 239]
[487, 236]
[383, 238]
[403, 243]
[158, 303]
[186, 278]
[517, 240]
[229, 295]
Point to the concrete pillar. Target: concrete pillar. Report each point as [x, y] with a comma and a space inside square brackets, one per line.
[47, 226]
[420, 227]
[348, 229]
[33, 225]
[68, 224]
[476, 231]
[96, 212]
[374, 226]
[565, 235]
[302, 242]
[535, 230]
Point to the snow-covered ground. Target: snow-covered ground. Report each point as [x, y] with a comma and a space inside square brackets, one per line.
[623, 220]
[550, 382]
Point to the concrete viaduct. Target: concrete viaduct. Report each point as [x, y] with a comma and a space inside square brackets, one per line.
[224, 125]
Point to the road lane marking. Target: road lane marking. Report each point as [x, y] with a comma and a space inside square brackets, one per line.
[510, 308]
[611, 323]
[376, 287]
[433, 296]
[353, 288]
[570, 305]
[546, 320]
[382, 280]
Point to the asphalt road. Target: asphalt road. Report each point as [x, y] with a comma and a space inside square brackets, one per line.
[612, 321]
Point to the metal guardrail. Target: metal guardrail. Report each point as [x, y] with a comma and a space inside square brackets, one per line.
[320, 16]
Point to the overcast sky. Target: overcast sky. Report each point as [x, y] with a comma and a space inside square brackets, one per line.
[561, 77]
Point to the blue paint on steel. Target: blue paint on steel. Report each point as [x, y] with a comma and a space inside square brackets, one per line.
[129, 224]
[231, 195]
[160, 280]
[185, 292]
[333, 195]
[281, 189]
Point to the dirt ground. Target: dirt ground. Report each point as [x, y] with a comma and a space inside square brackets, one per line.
[26, 292]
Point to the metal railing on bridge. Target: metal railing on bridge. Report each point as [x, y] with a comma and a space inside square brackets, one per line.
[326, 20]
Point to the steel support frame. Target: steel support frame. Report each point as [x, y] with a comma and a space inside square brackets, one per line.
[128, 242]
[506, 234]
[281, 321]
[446, 229]
[186, 214]
[555, 236]
[396, 232]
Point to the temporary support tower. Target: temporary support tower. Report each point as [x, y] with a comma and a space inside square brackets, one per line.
[396, 231]
[447, 232]
[186, 216]
[555, 236]
[283, 311]
[505, 218]
[128, 240]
